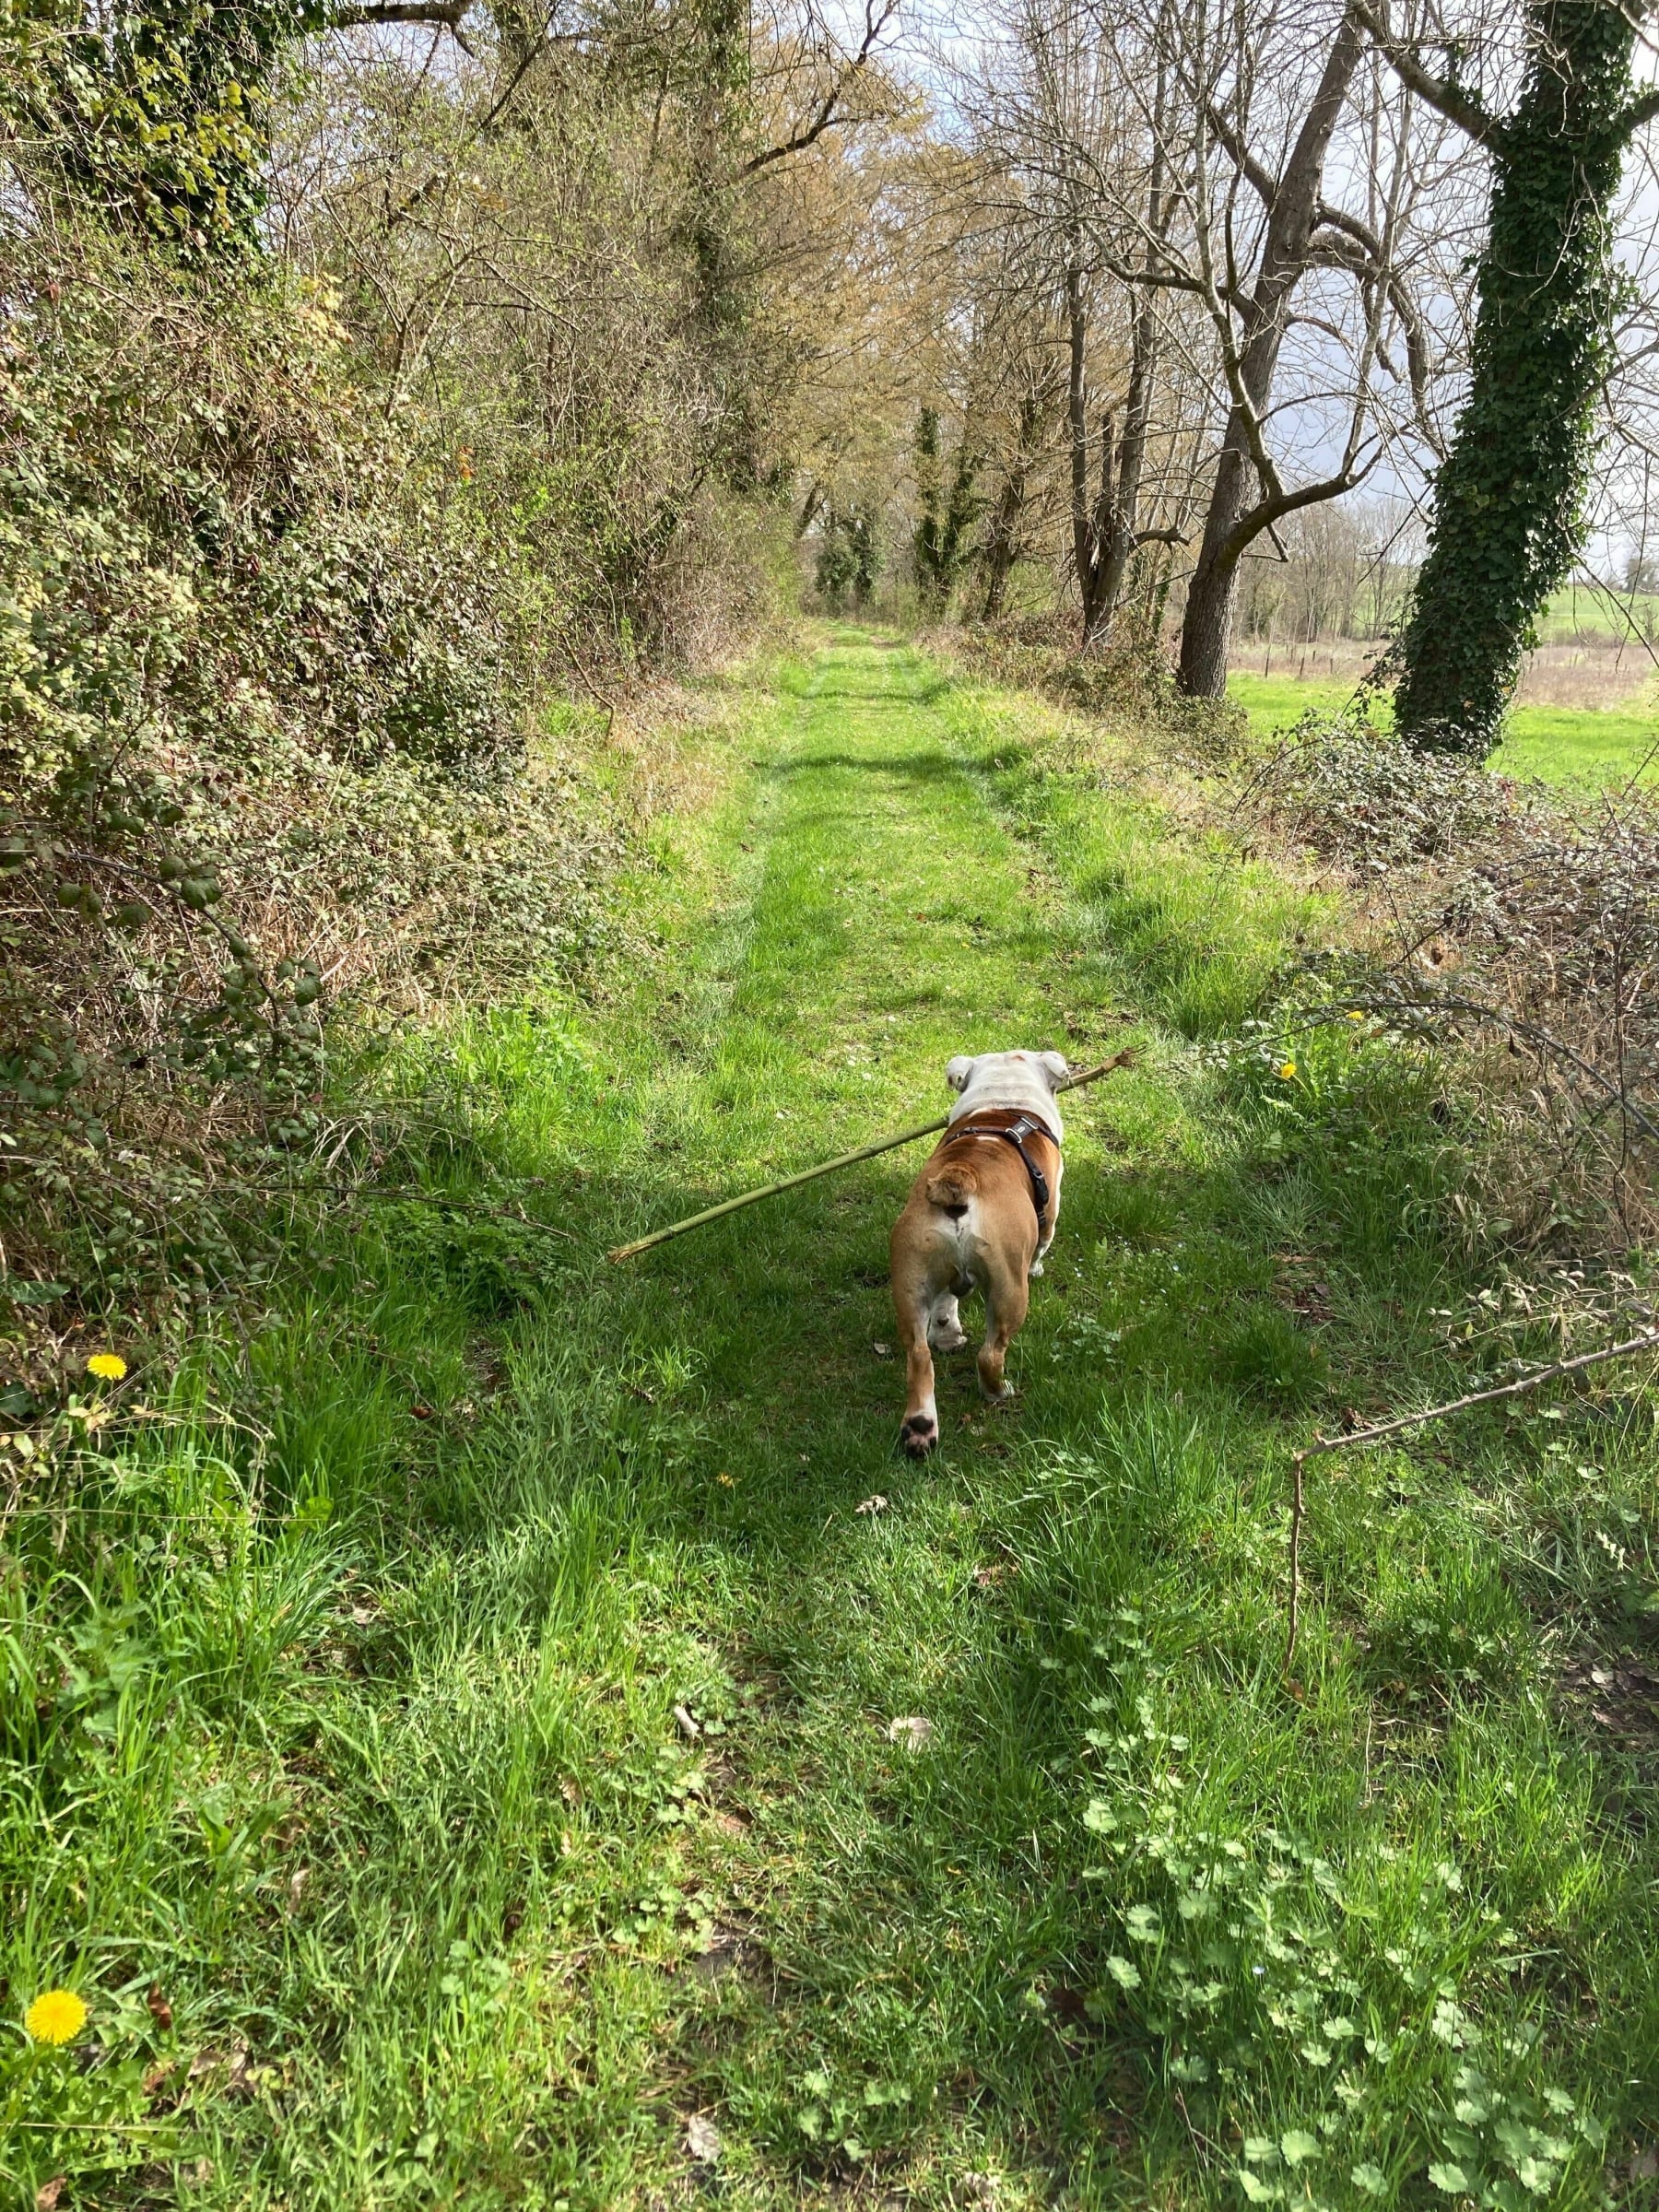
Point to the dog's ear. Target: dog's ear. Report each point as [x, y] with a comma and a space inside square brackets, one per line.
[957, 1071]
[1055, 1067]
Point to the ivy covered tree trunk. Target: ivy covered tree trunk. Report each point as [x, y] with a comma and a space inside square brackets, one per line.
[156, 114]
[941, 544]
[1509, 500]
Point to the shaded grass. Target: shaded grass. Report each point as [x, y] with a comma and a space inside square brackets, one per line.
[354, 1728]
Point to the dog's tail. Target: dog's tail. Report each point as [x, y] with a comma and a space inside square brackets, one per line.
[952, 1187]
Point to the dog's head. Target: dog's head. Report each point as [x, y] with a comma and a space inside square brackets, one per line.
[1014, 1071]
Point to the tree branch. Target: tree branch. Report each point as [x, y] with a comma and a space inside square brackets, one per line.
[1640, 111]
[1255, 172]
[1278, 504]
[1646, 1343]
[1456, 102]
[444, 15]
[828, 114]
[1349, 244]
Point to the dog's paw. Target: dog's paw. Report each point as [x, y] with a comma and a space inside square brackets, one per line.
[1035, 1269]
[948, 1340]
[919, 1434]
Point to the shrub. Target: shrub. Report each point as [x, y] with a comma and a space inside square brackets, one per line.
[265, 698]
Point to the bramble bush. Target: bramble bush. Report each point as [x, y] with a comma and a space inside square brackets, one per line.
[266, 694]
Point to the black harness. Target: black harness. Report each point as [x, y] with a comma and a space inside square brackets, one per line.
[1016, 1134]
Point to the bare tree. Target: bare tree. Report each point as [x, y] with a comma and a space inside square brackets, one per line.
[1214, 181]
[1049, 118]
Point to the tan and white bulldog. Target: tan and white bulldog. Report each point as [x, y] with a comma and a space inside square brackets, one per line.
[979, 1217]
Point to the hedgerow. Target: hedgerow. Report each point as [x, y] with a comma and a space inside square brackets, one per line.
[269, 696]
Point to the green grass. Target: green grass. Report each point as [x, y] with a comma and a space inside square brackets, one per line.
[1559, 745]
[344, 1684]
[1579, 612]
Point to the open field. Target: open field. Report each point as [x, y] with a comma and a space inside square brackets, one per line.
[512, 1733]
[1560, 744]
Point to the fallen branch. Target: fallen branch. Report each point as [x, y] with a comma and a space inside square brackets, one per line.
[1321, 1445]
[842, 1160]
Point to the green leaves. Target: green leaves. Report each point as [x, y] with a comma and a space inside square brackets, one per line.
[1269, 1993]
[1509, 499]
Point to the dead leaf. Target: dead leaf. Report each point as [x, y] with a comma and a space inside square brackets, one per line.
[729, 1824]
[421, 1413]
[47, 2195]
[686, 1725]
[911, 1730]
[702, 2139]
[297, 1881]
[882, 1351]
[160, 2011]
[235, 2081]
[980, 2188]
[877, 1504]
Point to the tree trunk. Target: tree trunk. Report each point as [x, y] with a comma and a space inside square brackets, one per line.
[1087, 512]
[1239, 509]
[1122, 512]
[1000, 549]
[1002, 539]
[1508, 518]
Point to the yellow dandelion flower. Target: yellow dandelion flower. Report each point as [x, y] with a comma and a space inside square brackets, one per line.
[1355, 1014]
[108, 1367]
[1286, 1069]
[56, 2016]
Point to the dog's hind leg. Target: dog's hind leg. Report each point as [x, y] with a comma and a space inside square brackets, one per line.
[921, 1430]
[912, 1305]
[1008, 1299]
[1053, 1218]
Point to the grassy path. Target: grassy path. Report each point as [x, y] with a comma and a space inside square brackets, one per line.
[502, 1794]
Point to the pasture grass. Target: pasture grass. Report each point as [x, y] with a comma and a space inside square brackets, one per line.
[1573, 745]
[448, 1733]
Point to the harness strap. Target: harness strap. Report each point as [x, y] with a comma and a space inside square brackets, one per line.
[1016, 1134]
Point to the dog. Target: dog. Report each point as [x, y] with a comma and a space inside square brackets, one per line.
[981, 1215]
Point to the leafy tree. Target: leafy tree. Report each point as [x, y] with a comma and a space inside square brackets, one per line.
[157, 116]
[942, 546]
[849, 559]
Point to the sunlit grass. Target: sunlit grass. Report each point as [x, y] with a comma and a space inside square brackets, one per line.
[465, 1705]
[1559, 745]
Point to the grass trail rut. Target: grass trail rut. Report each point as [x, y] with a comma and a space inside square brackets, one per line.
[507, 1774]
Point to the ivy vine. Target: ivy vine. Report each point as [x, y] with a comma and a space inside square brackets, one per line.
[1510, 496]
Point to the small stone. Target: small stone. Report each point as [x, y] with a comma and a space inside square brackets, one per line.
[911, 1730]
[703, 2140]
